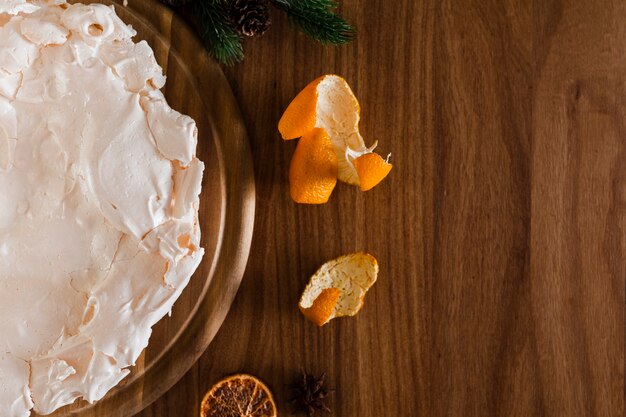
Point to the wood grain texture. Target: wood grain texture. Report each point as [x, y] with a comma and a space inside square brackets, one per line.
[501, 231]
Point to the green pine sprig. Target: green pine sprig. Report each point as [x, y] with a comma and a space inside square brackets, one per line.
[316, 19]
[220, 37]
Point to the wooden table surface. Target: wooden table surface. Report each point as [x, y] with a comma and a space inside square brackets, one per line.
[501, 231]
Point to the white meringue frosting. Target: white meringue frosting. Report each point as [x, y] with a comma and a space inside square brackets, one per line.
[99, 189]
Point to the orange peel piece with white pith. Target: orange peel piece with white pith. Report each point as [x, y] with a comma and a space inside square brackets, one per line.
[313, 169]
[328, 103]
[338, 288]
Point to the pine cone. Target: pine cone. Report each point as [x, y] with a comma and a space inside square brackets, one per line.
[250, 17]
[176, 3]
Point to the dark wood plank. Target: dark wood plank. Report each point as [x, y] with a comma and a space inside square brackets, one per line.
[501, 232]
[483, 358]
[578, 227]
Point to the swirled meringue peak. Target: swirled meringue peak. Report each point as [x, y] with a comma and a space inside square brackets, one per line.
[99, 189]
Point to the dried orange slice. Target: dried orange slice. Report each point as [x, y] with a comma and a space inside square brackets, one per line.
[338, 288]
[313, 170]
[238, 396]
[328, 103]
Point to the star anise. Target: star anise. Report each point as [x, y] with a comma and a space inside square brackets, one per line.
[310, 394]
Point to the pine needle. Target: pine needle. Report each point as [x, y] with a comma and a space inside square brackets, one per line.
[316, 19]
[220, 37]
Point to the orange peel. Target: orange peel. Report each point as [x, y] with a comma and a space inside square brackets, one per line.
[372, 169]
[338, 288]
[313, 169]
[328, 103]
[323, 306]
[299, 117]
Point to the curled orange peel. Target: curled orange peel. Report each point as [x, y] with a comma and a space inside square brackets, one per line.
[338, 288]
[328, 103]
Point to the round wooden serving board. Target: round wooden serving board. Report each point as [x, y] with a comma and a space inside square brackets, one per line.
[195, 86]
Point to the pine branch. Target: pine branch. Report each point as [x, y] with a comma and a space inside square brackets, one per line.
[316, 19]
[221, 39]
